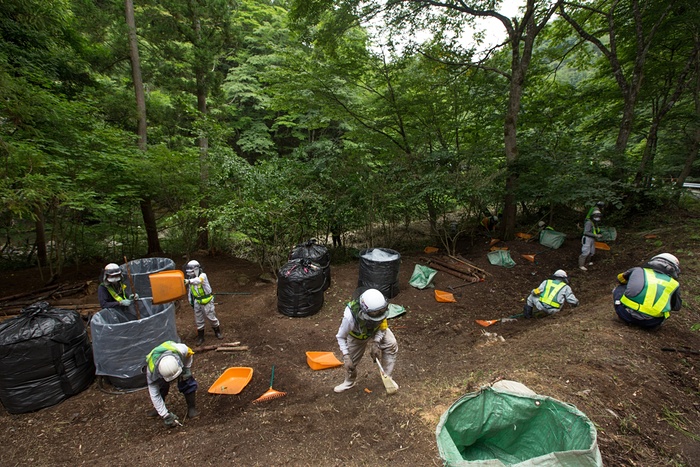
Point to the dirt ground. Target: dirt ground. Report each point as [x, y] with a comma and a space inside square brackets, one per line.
[643, 400]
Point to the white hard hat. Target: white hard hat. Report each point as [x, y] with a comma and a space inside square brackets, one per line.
[667, 262]
[113, 273]
[560, 273]
[373, 305]
[169, 368]
[668, 257]
[192, 268]
[596, 214]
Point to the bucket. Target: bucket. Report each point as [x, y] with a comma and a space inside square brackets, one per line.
[379, 269]
[300, 286]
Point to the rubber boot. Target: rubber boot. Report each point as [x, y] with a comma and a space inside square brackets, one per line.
[192, 411]
[217, 332]
[345, 385]
[527, 311]
[200, 337]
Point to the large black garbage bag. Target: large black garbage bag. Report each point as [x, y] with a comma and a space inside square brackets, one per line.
[316, 253]
[45, 357]
[300, 288]
[379, 269]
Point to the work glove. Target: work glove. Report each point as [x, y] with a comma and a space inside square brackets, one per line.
[187, 281]
[374, 351]
[347, 361]
[125, 302]
[171, 420]
[134, 296]
[186, 373]
[599, 236]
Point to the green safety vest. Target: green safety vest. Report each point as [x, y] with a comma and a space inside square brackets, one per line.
[200, 295]
[365, 331]
[655, 298]
[114, 294]
[551, 289]
[155, 354]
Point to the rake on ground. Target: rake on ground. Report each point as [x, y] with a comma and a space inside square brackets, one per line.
[270, 393]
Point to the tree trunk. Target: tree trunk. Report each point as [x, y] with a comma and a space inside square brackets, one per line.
[149, 219]
[40, 232]
[136, 74]
[203, 222]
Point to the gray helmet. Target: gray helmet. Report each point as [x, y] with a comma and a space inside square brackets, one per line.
[596, 215]
[193, 269]
[665, 263]
[112, 273]
[373, 306]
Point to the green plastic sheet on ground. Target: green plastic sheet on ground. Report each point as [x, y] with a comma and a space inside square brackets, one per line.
[609, 234]
[501, 258]
[552, 238]
[422, 276]
[494, 427]
[395, 310]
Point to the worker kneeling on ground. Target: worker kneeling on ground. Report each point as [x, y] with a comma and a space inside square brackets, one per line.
[646, 295]
[164, 364]
[551, 294]
[365, 325]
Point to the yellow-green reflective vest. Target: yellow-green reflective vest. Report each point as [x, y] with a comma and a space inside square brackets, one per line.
[200, 295]
[114, 294]
[155, 354]
[365, 330]
[655, 298]
[551, 289]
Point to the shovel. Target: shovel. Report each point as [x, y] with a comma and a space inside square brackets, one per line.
[489, 322]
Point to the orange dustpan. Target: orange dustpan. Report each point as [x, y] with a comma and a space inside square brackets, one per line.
[322, 360]
[232, 381]
[167, 286]
[602, 246]
[444, 297]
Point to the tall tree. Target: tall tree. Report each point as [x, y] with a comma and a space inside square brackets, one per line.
[443, 16]
[146, 202]
[606, 25]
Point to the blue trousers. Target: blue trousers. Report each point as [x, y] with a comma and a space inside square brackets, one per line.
[625, 314]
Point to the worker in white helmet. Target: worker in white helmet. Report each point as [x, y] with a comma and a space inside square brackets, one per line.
[199, 294]
[647, 294]
[165, 363]
[111, 292]
[551, 295]
[365, 325]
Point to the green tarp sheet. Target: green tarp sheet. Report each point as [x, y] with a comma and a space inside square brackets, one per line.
[496, 427]
[422, 276]
[552, 238]
[501, 258]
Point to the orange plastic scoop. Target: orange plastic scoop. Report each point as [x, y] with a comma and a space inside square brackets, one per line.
[444, 297]
[232, 381]
[322, 360]
[167, 286]
[602, 246]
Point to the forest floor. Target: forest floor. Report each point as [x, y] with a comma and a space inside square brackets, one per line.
[644, 401]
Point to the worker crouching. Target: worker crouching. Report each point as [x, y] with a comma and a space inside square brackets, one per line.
[646, 295]
[551, 294]
[365, 325]
[165, 363]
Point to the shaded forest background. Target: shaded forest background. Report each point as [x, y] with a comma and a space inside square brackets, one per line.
[135, 128]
